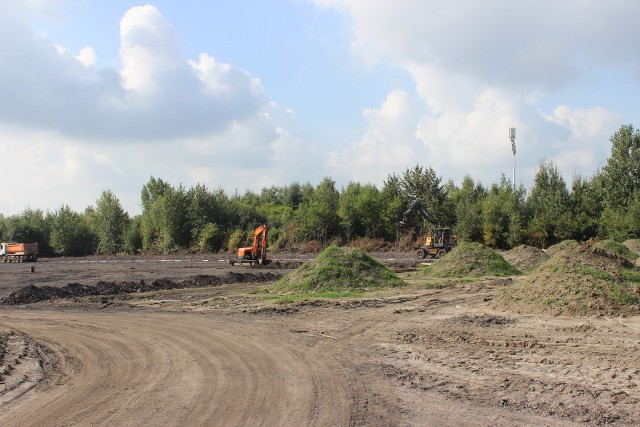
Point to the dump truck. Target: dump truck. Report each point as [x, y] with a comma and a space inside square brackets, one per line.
[18, 252]
[255, 254]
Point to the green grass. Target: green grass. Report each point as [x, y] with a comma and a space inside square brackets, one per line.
[595, 272]
[630, 275]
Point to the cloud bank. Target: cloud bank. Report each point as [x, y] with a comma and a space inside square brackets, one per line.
[480, 68]
[78, 130]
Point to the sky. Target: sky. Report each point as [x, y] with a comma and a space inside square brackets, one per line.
[100, 95]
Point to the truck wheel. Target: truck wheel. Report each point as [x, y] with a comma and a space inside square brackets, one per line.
[421, 253]
[441, 253]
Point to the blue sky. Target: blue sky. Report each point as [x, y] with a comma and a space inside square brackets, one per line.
[101, 95]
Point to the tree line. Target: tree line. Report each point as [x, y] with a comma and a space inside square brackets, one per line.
[177, 219]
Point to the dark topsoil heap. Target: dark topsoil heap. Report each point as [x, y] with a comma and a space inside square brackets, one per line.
[32, 294]
[471, 260]
[578, 280]
[526, 258]
[634, 246]
[339, 269]
[614, 248]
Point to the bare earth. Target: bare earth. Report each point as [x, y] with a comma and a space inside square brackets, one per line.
[225, 355]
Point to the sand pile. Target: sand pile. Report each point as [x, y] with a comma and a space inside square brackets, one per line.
[526, 258]
[338, 270]
[471, 260]
[579, 280]
[558, 247]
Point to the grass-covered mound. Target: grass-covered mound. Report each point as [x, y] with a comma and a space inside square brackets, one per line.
[339, 269]
[581, 280]
[526, 258]
[471, 260]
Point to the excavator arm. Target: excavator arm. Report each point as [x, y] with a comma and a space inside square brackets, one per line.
[417, 205]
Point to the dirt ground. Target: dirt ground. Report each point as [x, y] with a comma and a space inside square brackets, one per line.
[225, 354]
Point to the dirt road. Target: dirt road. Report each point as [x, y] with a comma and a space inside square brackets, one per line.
[226, 356]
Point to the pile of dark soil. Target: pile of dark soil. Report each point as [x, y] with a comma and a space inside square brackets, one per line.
[580, 280]
[471, 260]
[558, 247]
[612, 249]
[339, 269]
[32, 294]
[526, 258]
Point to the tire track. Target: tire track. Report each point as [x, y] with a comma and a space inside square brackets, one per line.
[176, 369]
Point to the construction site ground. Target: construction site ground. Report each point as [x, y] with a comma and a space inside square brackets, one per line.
[229, 353]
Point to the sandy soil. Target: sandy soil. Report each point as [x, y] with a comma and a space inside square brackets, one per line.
[225, 355]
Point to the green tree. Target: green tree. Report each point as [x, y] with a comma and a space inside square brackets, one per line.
[586, 207]
[4, 229]
[318, 218]
[424, 184]
[210, 239]
[549, 206]
[71, 234]
[620, 183]
[350, 218]
[30, 226]
[133, 236]
[152, 215]
[208, 207]
[468, 201]
[111, 222]
[621, 174]
[174, 220]
[393, 205]
[502, 213]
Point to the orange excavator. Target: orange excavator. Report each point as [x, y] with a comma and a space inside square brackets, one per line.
[256, 253]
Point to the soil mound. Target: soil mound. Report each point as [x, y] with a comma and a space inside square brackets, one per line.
[611, 248]
[471, 260]
[32, 294]
[526, 258]
[338, 270]
[558, 247]
[633, 245]
[580, 280]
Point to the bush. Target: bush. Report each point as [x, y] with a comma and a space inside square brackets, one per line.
[211, 238]
[236, 240]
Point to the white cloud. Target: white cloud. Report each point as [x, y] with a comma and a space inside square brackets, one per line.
[77, 130]
[588, 129]
[155, 95]
[389, 145]
[482, 67]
